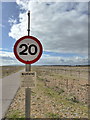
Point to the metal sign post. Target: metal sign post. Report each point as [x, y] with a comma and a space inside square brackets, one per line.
[28, 90]
[28, 66]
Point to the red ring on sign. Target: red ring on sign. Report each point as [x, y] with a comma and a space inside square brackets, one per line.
[23, 61]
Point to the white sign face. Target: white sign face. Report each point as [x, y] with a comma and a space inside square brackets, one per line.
[28, 79]
[28, 49]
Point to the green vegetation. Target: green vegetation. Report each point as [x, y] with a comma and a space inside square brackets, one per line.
[59, 90]
[62, 100]
[52, 115]
[15, 114]
[73, 99]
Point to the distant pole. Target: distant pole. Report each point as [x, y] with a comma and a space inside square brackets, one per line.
[28, 90]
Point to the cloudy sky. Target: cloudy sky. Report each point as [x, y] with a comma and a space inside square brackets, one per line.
[61, 27]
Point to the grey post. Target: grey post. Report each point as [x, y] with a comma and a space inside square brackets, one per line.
[27, 102]
[28, 90]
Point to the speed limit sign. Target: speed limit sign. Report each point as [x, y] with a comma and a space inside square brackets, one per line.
[28, 49]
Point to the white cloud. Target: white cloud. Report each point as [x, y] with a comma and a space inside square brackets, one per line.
[6, 54]
[63, 0]
[57, 60]
[61, 27]
[47, 0]
[12, 21]
[8, 58]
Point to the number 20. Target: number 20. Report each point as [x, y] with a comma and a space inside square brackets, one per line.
[23, 52]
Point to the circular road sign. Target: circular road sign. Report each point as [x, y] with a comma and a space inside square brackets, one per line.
[28, 49]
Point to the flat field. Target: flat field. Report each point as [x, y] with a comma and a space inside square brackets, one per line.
[61, 92]
[7, 70]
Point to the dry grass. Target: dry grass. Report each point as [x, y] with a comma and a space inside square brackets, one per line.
[53, 97]
[7, 70]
